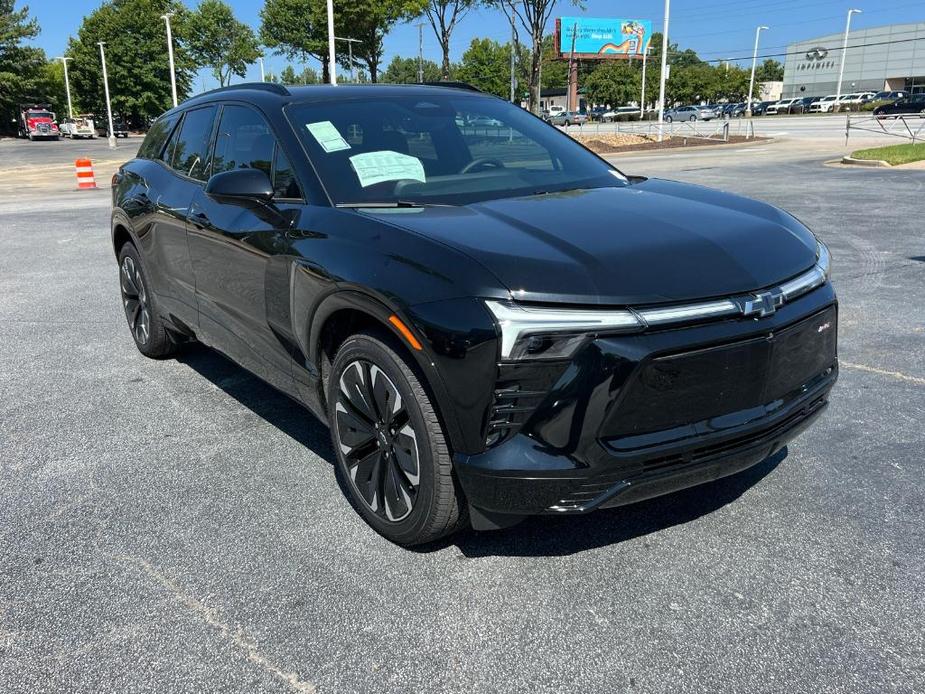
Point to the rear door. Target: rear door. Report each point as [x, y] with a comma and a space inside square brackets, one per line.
[237, 249]
[170, 191]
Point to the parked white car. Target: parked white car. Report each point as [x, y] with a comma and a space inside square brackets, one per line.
[856, 98]
[81, 126]
[823, 105]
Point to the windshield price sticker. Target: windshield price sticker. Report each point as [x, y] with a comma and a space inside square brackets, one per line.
[328, 136]
[385, 165]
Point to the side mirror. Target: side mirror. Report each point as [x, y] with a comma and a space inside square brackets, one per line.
[241, 185]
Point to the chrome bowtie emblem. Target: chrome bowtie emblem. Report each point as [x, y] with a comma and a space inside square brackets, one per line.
[763, 304]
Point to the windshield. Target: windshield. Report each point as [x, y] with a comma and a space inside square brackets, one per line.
[440, 148]
[39, 114]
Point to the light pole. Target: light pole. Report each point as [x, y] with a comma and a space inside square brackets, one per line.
[112, 133]
[350, 42]
[260, 60]
[844, 51]
[420, 26]
[661, 83]
[642, 96]
[751, 81]
[332, 63]
[173, 77]
[513, 47]
[67, 87]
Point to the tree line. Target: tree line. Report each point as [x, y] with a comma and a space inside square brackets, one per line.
[211, 37]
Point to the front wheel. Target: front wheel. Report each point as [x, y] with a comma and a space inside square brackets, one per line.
[393, 460]
[668, 119]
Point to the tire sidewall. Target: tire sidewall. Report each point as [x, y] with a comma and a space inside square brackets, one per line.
[376, 351]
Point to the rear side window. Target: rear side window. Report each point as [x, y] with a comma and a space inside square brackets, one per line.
[157, 136]
[190, 150]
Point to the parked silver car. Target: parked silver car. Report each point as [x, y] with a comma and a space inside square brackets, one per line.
[690, 113]
[568, 118]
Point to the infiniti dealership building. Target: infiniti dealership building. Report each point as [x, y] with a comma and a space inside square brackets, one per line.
[890, 57]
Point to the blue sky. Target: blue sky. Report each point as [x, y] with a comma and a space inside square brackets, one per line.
[714, 28]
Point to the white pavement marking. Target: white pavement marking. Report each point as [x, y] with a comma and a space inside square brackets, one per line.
[210, 616]
[883, 372]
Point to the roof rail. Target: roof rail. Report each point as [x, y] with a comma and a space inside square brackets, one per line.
[452, 85]
[262, 86]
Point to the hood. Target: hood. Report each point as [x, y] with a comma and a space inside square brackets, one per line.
[652, 242]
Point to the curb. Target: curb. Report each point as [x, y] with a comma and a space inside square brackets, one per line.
[689, 148]
[875, 163]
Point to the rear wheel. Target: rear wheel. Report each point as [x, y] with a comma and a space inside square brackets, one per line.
[393, 460]
[668, 119]
[692, 119]
[146, 326]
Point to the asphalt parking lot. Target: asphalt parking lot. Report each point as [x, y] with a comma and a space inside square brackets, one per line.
[175, 526]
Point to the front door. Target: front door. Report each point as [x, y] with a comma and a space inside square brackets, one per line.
[235, 247]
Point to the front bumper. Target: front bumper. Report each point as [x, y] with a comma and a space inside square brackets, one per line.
[637, 416]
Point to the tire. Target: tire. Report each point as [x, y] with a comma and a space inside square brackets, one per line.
[145, 324]
[692, 119]
[396, 468]
[669, 119]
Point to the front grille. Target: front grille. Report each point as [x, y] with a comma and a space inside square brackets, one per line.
[520, 388]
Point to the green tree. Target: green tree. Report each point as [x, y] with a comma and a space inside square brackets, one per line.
[613, 82]
[769, 71]
[405, 71]
[298, 29]
[218, 40]
[306, 76]
[136, 58]
[486, 64]
[443, 16]
[369, 21]
[23, 69]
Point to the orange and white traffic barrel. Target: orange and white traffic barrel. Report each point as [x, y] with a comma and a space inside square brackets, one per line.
[85, 177]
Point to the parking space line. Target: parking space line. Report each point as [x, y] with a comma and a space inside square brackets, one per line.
[883, 372]
[235, 635]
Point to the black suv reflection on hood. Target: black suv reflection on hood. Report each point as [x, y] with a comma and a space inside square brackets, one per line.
[655, 241]
[493, 321]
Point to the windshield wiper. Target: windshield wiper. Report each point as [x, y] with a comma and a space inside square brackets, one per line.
[392, 204]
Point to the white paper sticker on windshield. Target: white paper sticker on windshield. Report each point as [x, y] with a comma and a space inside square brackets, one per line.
[328, 136]
[386, 165]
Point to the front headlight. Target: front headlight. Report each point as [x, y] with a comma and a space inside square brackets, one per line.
[823, 259]
[552, 333]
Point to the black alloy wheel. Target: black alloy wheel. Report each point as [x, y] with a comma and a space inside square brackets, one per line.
[147, 328]
[393, 460]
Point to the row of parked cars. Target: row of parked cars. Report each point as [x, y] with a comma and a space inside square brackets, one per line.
[893, 103]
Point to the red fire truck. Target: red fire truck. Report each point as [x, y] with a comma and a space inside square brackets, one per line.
[37, 122]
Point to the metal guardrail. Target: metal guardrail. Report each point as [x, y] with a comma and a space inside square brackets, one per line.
[904, 126]
[717, 130]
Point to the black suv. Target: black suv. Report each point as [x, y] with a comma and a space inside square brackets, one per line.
[494, 322]
[914, 104]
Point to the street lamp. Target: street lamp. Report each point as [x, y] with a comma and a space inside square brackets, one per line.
[844, 51]
[642, 96]
[260, 60]
[664, 77]
[751, 82]
[332, 63]
[67, 86]
[173, 76]
[350, 42]
[112, 131]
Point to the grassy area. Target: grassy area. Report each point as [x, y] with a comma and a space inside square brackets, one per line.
[895, 154]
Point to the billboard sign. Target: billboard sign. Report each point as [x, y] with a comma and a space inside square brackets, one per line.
[597, 37]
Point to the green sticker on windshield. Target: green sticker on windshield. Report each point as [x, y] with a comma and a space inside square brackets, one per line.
[328, 136]
[386, 165]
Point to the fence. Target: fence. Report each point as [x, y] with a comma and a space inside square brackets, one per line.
[904, 126]
[718, 130]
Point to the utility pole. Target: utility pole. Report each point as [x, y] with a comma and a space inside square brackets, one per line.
[67, 87]
[844, 51]
[262, 76]
[420, 26]
[350, 42]
[661, 84]
[642, 96]
[751, 82]
[572, 96]
[173, 76]
[513, 50]
[332, 62]
[112, 135]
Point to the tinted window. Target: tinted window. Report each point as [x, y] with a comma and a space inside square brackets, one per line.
[284, 183]
[441, 148]
[157, 135]
[190, 151]
[244, 141]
